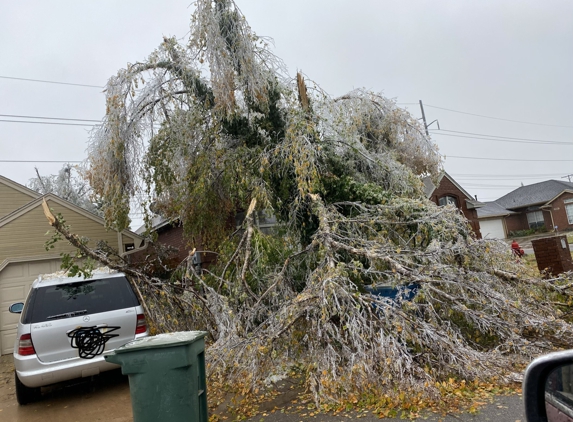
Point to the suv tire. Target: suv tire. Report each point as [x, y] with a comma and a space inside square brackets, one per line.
[24, 394]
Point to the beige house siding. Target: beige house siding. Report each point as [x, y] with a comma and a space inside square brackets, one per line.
[84, 226]
[130, 240]
[15, 281]
[11, 199]
[23, 233]
[25, 236]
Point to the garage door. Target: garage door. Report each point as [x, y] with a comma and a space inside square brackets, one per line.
[492, 229]
[15, 282]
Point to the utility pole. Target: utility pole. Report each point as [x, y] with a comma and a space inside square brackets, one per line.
[424, 118]
[568, 177]
[426, 125]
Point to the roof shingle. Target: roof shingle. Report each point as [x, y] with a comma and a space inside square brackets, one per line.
[538, 193]
[493, 209]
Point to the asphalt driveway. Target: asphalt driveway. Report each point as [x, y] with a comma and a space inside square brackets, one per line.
[107, 399]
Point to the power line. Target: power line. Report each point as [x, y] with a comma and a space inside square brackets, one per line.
[507, 140]
[427, 105]
[506, 175]
[505, 159]
[499, 179]
[498, 138]
[47, 123]
[492, 179]
[492, 188]
[478, 185]
[49, 118]
[496, 118]
[37, 161]
[50, 82]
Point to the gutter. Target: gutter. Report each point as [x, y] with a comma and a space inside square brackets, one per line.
[549, 207]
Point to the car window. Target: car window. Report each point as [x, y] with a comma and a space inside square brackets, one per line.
[559, 394]
[79, 298]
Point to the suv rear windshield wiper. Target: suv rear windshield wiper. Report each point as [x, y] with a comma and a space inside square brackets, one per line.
[68, 314]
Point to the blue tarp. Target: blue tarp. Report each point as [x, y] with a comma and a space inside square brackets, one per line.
[396, 293]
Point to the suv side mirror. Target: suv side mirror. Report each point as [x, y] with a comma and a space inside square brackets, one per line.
[16, 308]
[548, 388]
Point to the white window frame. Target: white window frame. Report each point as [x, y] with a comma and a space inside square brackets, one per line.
[569, 211]
[448, 200]
[534, 218]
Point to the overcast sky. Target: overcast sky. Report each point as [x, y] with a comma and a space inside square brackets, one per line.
[509, 60]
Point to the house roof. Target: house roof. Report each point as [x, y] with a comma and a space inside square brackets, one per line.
[474, 203]
[535, 194]
[157, 222]
[548, 204]
[21, 188]
[429, 186]
[51, 197]
[429, 189]
[493, 209]
[36, 199]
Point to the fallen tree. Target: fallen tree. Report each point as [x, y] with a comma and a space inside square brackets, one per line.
[343, 177]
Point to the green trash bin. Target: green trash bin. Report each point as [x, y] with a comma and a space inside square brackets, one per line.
[166, 376]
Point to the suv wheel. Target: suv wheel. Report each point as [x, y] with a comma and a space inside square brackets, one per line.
[24, 394]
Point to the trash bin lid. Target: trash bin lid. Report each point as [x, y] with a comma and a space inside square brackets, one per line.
[162, 340]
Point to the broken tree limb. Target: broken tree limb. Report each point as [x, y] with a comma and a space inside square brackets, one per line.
[249, 220]
[48, 213]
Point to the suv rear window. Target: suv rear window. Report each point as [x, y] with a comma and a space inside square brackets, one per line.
[78, 298]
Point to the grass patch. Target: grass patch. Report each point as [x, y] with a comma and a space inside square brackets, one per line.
[531, 263]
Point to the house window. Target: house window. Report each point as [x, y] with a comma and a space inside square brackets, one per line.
[569, 210]
[448, 199]
[535, 219]
[265, 220]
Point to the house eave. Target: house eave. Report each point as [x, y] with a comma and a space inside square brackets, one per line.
[473, 204]
[535, 204]
[457, 185]
[21, 188]
[548, 203]
[66, 204]
[488, 217]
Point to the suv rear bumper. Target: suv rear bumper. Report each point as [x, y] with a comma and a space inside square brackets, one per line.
[34, 373]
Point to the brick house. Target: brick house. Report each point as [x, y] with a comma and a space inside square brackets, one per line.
[542, 206]
[170, 233]
[448, 191]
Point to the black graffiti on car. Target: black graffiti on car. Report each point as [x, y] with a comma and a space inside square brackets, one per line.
[91, 341]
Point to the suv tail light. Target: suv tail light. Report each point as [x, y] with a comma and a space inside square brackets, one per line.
[25, 345]
[141, 326]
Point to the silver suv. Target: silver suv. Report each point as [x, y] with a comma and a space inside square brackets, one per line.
[68, 325]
